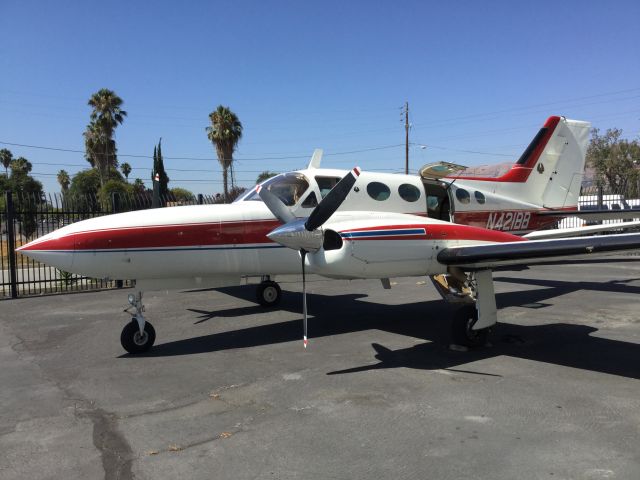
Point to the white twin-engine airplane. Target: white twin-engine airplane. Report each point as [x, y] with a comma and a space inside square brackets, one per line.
[339, 224]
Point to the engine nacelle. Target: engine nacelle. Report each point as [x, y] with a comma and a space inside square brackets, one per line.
[350, 257]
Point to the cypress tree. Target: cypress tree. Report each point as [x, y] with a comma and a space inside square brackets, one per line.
[158, 167]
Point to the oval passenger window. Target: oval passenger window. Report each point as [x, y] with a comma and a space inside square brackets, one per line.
[479, 197]
[463, 196]
[378, 191]
[409, 192]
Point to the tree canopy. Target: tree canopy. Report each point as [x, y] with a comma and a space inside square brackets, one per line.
[64, 180]
[224, 133]
[616, 160]
[125, 168]
[6, 157]
[158, 168]
[264, 176]
[100, 145]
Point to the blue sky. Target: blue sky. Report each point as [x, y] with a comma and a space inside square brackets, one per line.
[479, 77]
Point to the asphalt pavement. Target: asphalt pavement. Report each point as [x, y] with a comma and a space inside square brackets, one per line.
[228, 392]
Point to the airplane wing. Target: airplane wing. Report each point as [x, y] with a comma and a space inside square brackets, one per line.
[581, 231]
[479, 257]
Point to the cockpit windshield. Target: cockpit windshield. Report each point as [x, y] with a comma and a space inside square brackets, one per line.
[288, 187]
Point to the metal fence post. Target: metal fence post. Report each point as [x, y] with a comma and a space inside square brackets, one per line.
[11, 239]
[600, 196]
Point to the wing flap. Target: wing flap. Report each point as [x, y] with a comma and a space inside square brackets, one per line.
[477, 257]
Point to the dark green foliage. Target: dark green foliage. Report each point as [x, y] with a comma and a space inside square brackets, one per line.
[100, 146]
[5, 158]
[126, 170]
[616, 161]
[138, 186]
[181, 195]
[224, 132]
[264, 176]
[114, 194]
[64, 180]
[86, 183]
[27, 191]
[235, 192]
[158, 168]
[20, 166]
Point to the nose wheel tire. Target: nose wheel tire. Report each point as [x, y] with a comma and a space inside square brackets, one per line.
[135, 342]
[268, 293]
[461, 328]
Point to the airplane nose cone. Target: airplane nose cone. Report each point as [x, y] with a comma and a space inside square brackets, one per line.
[294, 235]
[55, 249]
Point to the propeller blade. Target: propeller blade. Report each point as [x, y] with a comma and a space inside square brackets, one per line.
[303, 254]
[277, 207]
[332, 201]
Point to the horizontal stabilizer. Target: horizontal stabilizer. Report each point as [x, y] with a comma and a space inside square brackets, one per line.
[582, 231]
[598, 215]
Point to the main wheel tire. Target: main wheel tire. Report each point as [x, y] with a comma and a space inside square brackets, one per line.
[134, 342]
[461, 328]
[268, 293]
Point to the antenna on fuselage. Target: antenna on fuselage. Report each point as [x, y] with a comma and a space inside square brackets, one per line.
[316, 158]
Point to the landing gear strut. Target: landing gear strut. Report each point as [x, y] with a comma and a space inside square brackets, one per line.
[268, 293]
[138, 335]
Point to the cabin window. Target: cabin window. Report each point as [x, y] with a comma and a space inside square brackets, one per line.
[326, 184]
[462, 195]
[288, 187]
[409, 192]
[311, 201]
[378, 191]
[479, 197]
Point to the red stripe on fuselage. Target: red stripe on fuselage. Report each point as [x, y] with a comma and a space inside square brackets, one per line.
[158, 236]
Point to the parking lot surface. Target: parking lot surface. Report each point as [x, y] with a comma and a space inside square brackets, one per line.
[228, 392]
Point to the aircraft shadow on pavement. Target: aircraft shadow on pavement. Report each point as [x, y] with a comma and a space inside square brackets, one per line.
[562, 344]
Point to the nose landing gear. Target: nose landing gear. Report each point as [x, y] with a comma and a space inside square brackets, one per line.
[138, 335]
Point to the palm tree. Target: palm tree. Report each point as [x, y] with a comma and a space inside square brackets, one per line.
[6, 157]
[126, 170]
[64, 180]
[20, 166]
[265, 175]
[224, 132]
[106, 115]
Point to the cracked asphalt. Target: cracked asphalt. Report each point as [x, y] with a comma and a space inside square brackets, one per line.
[228, 392]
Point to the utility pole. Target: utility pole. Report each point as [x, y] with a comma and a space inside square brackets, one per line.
[406, 133]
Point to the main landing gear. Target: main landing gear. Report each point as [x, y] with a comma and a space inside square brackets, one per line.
[462, 332]
[138, 335]
[268, 292]
[477, 313]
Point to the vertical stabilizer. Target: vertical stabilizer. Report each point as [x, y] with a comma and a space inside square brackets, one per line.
[316, 158]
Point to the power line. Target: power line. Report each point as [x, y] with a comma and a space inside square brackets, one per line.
[128, 155]
[528, 107]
